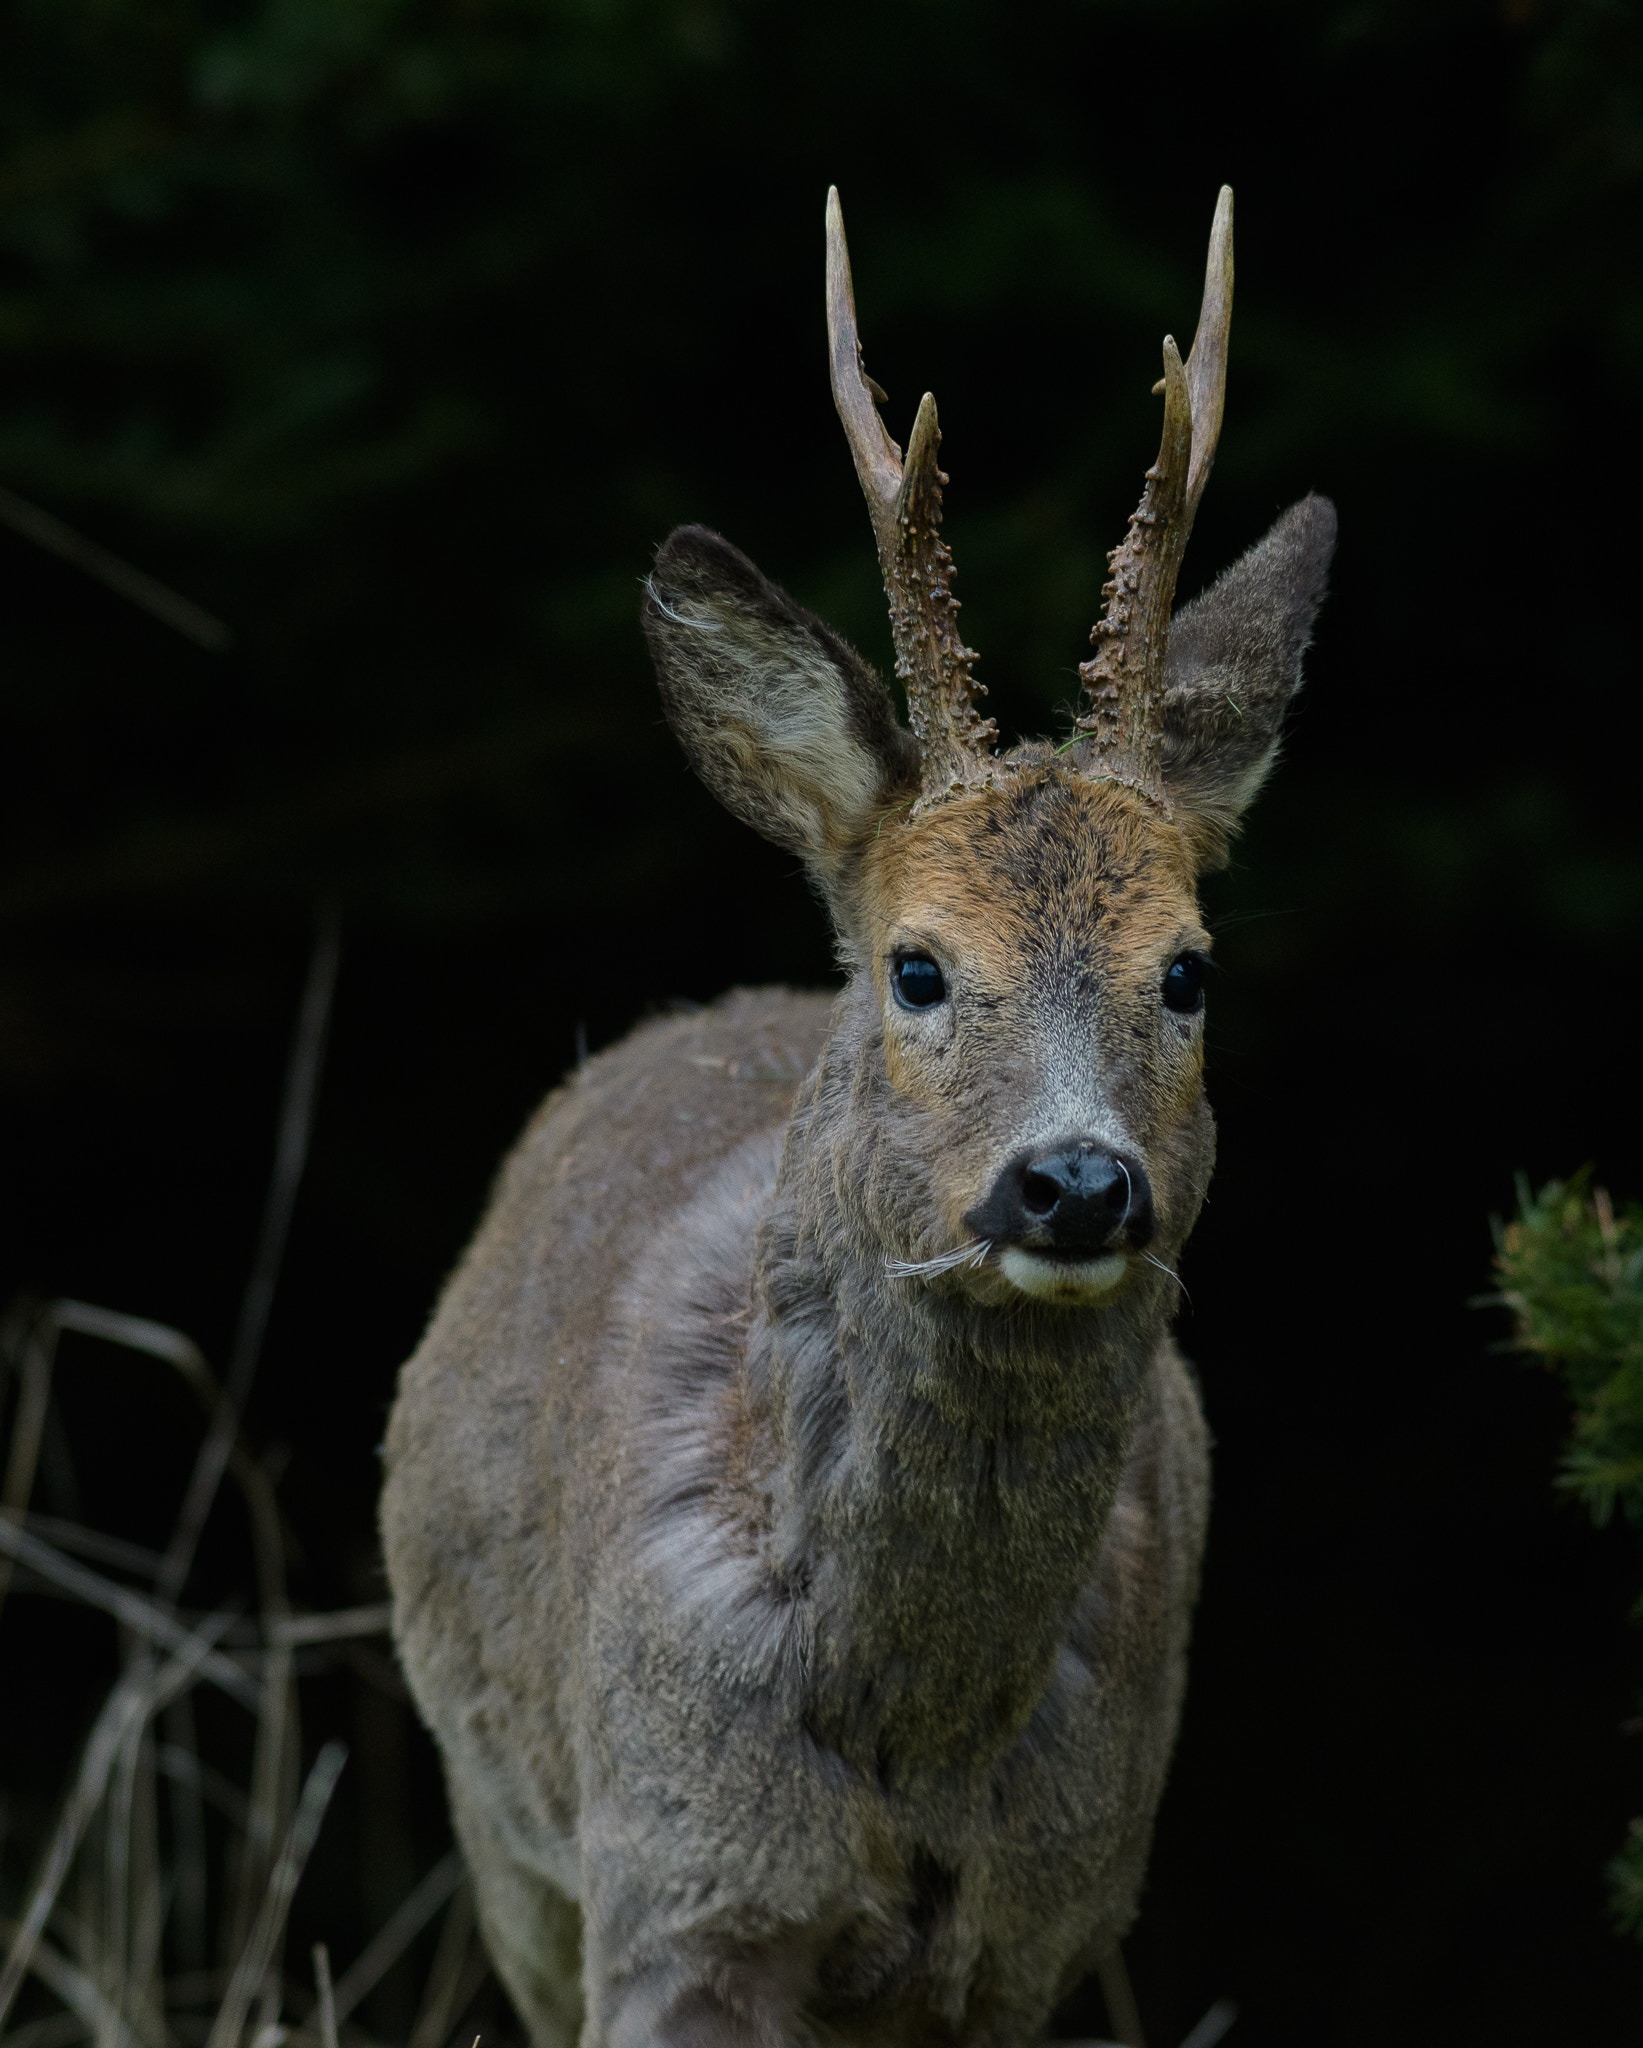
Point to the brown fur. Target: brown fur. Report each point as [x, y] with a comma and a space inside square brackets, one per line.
[969, 883]
[809, 1633]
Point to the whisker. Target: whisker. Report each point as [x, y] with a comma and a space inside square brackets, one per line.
[971, 1254]
[1151, 1261]
[679, 618]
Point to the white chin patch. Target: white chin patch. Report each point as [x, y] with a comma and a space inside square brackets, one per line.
[1062, 1279]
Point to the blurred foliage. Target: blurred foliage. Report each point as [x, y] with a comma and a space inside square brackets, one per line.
[1571, 1271]
[260, 255]
[398, 332]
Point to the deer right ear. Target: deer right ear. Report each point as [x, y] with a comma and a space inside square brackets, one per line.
[1233, 664]
[785, 723]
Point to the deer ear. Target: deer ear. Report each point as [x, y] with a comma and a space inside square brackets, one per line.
[783, 720]
[1233, 664]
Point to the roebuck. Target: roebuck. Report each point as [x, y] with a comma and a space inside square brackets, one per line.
[794, 1510]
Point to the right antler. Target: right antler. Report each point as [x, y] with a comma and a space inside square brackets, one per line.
[1124, 678]
[905, 502]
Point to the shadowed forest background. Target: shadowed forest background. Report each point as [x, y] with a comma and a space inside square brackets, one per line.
[397, 333]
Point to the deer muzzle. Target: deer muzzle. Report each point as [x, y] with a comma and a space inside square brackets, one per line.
[1064, 1218]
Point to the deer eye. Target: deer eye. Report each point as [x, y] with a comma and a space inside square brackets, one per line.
[917, 981]
[1184, 984]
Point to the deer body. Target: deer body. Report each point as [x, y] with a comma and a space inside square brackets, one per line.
[794, 1511]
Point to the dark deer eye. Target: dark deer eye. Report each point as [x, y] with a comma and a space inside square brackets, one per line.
[917, 981]
[1184, 984]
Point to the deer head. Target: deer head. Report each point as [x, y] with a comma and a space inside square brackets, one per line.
[1024, 1023]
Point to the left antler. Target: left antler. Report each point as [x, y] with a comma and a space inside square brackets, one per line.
[904, 499]
[1124, 678]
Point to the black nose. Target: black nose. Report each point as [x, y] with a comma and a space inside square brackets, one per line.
[1075, 1199]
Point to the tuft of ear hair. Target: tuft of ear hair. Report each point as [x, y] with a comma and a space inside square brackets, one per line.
[783, 720]
[1234, 663]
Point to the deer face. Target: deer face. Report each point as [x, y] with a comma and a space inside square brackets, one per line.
[1036, 955]
[1031, 1053]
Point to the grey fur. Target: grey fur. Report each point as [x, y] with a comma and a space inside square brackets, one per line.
[805, 1631]
[1235, 662]
[782, 719]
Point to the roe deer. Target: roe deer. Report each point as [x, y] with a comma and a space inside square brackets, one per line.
[794, 1510]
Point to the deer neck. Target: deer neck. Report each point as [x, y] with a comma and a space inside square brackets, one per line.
[943, 1471]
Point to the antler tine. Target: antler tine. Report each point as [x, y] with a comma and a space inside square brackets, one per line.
[904, 500]
[877, 458]
[1124, 678]
[1207, 362]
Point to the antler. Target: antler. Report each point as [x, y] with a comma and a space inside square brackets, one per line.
[1124, 678]
[904, 499]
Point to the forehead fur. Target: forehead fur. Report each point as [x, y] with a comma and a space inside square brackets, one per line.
[1049, 857]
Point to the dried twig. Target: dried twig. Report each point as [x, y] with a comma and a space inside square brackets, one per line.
[136, 1333]
[265, 1933]
[474, 1973]
[114, 1552]
[439, 2007]
[75, 1988]
[1123, 2014]
[133, 584]
[175, 1348]
[180, 1761]
[138, 1695]
[149, 1897]
[181, 1765]
[1213, 2025]
[39, 1347]
[327, 2007]
[397, 1933]
[290, 1156]
[122, 1795]
[56, 2030]
[106, 1841]
[138, 1614]
[267, 1783]
[346, 1623]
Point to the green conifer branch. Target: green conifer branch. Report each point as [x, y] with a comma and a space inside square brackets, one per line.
[1571, 1272]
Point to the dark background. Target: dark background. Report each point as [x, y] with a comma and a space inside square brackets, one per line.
[398, 334]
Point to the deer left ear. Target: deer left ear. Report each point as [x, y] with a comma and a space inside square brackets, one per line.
[785, 723]
[1234, 662]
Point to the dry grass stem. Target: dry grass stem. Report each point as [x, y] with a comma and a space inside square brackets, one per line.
[298, 1630]
[326, 2010]
[276, 1903]
[1213, 2025]
[77, 1991]
[127, 1877]
[135, 585]
[290, 1157]
[92, 1544]
[439, 2002]
[264, 1818]
[139, 1694]
[27, 1432]
[139, 1615]
[1123, 2013]
[56, 2030]
[396, 1934]
[188, 1783]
